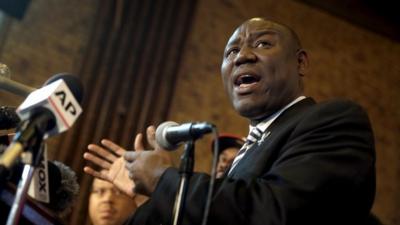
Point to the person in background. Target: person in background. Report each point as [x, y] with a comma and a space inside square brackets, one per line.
[108, 205]
[229, 146]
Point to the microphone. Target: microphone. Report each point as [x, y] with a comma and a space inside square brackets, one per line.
[62, 184]
[8, 121]
[24, 90]
[53, 184]
[12, 86]
[73, 83]
[57, 102]
[8, 118]
[47, 111]
[39, 186]
[169, 135]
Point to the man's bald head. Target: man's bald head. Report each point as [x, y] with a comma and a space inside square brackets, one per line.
[289, 32]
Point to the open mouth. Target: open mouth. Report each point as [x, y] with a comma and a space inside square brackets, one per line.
[246, 79]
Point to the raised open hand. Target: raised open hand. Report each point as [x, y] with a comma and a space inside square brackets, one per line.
[112, 165]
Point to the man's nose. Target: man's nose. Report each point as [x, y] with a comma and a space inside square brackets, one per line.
[108, 195]
[223, 165]
[245, 55]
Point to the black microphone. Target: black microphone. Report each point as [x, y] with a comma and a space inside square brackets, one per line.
[64, 188]
[73, 83]
[169, 135]
[8, 118]
[62, 183]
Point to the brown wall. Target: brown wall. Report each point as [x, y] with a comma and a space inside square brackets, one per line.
[51, 38]
[346, 61]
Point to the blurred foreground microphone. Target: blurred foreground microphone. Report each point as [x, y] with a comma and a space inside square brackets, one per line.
[47, 111]
[23, 90]
[39, 186]
[64, 188]
[62, 185]
[169, 135]
[8, 118]
[12, 86]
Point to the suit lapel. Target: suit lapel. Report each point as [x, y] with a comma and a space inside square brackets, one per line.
[260, 149]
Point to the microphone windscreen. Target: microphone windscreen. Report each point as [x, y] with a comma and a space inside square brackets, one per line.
[161, 137]
[73, 83]
[8, 118]
[64, 187]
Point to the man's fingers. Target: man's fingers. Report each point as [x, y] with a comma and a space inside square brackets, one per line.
[102, 152]
[104, 164]
[151, 136]
[94, 173]
[114, 147]
[130, 170]
[139, 142]
[130, 156]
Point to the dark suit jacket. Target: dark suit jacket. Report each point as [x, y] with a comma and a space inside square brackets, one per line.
[316, 166]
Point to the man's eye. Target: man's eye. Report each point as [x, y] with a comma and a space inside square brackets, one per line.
[263, 44]
[98, 191]
[231, 51]
[116, 192]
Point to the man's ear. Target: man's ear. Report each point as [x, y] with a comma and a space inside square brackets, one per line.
[302, 60]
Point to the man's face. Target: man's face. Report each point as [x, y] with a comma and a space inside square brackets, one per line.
[260, 68]
[108, 206]
[225, 159]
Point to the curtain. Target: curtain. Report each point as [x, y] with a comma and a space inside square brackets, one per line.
[129, 75]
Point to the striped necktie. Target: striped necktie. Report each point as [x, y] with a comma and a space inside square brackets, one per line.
[252, 138]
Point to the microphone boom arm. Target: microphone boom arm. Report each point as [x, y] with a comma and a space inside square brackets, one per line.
[15, 87]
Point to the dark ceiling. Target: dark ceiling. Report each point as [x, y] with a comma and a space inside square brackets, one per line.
[382, 17]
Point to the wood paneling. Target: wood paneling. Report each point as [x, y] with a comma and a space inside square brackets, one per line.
[346, 60]
[129, 73]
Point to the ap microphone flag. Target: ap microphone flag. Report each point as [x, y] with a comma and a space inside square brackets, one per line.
[56, 97]
[47, 111]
